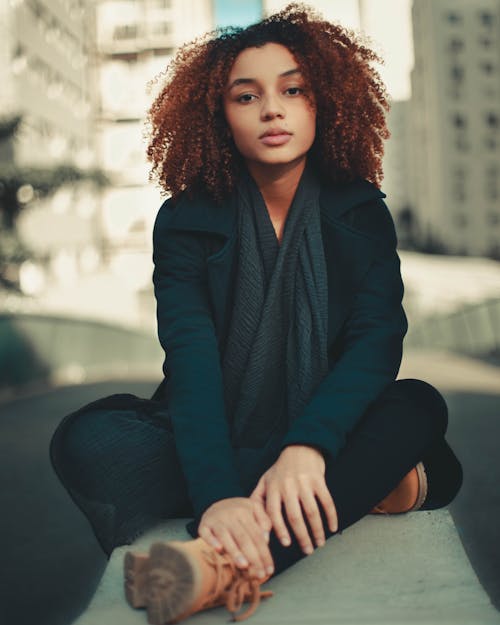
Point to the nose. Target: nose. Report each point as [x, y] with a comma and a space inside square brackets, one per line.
[272, 107]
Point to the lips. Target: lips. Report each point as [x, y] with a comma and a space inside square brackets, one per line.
[275, 136]
[273, 132]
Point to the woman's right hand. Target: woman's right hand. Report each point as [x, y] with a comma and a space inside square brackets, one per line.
[238, 526]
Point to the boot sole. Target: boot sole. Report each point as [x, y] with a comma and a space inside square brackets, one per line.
[422, 486]
[421, 494]
[165, 582]
[135, 568]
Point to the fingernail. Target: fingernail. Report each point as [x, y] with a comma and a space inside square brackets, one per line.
[321, 542]
[308, 549]
[261, 573]
[270, 569]
[266, 536]
[285, 540]
[241, 560]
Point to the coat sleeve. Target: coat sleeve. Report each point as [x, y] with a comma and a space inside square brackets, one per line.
[192, 365]
[371, 354]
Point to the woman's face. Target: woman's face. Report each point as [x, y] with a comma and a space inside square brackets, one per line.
[265, 94]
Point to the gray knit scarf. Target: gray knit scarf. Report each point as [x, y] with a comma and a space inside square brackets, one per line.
[276, 349]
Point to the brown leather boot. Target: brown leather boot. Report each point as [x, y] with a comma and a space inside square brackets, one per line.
[408, 495]
[177, 579]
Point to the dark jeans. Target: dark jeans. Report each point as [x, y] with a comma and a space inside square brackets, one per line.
[118, 461]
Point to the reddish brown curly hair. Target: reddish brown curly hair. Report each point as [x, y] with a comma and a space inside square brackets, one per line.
[189, 141]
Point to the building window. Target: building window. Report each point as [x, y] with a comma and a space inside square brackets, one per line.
[161, 28]
[492, 120]
[492, 192]
[456, 45]
[491, 143]
[454, 18]
[36, 9]
[125, 31]
[487, 67]
[486, 18]
[459, 120]
[457, 72]
[485, 42]
[458, 184]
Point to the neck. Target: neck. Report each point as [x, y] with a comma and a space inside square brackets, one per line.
[277, 183]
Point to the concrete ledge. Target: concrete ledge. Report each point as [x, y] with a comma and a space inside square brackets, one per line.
[402, 569]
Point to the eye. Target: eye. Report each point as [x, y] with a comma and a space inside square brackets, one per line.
[245, 95]
[297, 90]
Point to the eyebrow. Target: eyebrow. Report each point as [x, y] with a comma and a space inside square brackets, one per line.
[240, 81]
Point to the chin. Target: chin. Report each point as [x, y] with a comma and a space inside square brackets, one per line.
[279, 159]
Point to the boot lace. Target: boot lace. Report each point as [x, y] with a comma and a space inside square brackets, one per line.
[242, 587]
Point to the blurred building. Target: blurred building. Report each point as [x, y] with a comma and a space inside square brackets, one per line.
[455, 125]
[48, 77]
[396, 170]
[136, 40]
[45, 58]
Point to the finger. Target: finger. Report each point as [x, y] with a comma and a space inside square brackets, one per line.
[263, 520]
[258, 493]
[296, 520]
[247, 535]
[266, 564]
[209, 537]
[234, 540]
[312, 513]
[273, 508]
[329, 507]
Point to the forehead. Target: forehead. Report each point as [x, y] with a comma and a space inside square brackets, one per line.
[269, 59]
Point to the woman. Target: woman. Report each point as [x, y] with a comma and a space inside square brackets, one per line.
[279, 421]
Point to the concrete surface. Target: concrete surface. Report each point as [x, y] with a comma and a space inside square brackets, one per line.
[399, 569]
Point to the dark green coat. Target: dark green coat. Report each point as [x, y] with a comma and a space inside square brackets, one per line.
[194, 255]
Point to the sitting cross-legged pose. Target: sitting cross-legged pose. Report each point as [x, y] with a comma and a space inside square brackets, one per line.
[279, 421]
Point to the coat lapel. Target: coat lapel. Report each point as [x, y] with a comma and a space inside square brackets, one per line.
[348, 252]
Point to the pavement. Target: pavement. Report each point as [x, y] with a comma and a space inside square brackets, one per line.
[440, 566]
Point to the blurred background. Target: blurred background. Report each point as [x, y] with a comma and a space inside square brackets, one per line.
[76, 207]
[77, 310]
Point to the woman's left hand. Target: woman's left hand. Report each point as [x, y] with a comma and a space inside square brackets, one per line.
[297, 477]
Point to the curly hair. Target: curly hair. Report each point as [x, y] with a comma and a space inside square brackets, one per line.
[190, 145]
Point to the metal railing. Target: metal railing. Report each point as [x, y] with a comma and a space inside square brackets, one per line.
[38, 348]
[473, 330]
